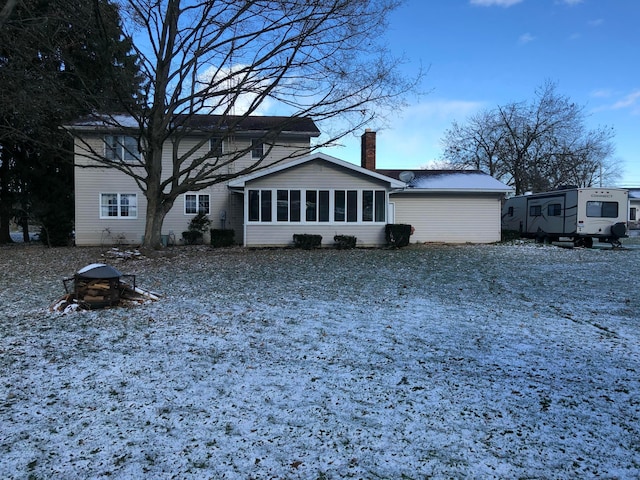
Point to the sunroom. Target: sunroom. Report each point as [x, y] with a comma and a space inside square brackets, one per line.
[316, 194]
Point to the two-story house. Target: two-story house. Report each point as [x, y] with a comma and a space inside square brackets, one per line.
[295, 191]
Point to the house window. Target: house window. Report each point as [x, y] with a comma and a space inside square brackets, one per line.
[535, 211]
[632, 214]
[373, 205]
[196, 203]
[602, 209]
[121, 148]
[118, 205]
[345, 206]
[288, 206]
[216, 146]
[260, 205]
[317, 205]
[554, 210]
[311, 206]
[257, 148]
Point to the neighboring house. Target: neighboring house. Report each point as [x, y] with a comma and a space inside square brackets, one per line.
[634, 208]
[317, 194]
[110, 207]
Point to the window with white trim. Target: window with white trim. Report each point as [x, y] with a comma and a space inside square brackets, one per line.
[195, 203]
[257, 148]
[118, 205]
[315, 206]
[216, 146]
[374, 205]
[345, 206]
[288, 205]
[260, 206]
[121, 148]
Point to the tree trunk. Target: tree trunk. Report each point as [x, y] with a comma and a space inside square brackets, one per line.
[153, 226]
[6, 202]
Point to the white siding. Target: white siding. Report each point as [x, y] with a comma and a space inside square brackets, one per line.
[449, 218]
[263, 235]
[321, 175]
[90, 182]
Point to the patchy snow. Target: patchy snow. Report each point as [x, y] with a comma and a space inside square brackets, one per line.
[458, 181]
[501, 361]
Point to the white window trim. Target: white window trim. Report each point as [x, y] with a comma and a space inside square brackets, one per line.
[223, 145]
[119, 205]
[197, 195]
[121, 155]
[303, 201]
[253, 149]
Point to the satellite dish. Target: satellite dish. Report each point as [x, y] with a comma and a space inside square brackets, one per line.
[407, 176]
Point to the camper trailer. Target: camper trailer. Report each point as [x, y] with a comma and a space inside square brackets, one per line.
[577, 215]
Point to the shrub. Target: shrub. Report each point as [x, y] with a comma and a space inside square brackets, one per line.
[197, 226]
[192, 237]
[344, 242]
[307, 241]
[397, 234]
[222, 237]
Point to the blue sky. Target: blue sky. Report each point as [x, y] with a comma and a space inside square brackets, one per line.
[484, 53]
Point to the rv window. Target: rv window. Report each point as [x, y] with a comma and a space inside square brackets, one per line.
[510, 211]
[535, 210]
[554, 209]
[602, 209]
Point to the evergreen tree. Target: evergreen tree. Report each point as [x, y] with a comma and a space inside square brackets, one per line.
[59, 59]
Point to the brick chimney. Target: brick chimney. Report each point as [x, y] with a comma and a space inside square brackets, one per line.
[368, 150]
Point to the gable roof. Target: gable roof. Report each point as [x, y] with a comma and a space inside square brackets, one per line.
[240, 182]
[207, 123]
[471, 181]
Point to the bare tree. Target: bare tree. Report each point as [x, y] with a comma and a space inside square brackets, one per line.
[314, 58]
[533, 146]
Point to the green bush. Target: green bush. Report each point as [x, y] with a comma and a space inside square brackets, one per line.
[222, 237]
[307, 241]
[197, 226]
[344, 242]
[397, 234]
[192, 237]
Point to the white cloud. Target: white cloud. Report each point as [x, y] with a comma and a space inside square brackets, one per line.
[244, 101]
[630, 101]
[601, 93]
[526, 38]
[494, 3]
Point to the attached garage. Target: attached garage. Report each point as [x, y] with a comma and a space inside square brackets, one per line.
[449, 206]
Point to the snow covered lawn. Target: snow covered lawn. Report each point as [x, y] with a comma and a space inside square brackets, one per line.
[501, 361]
